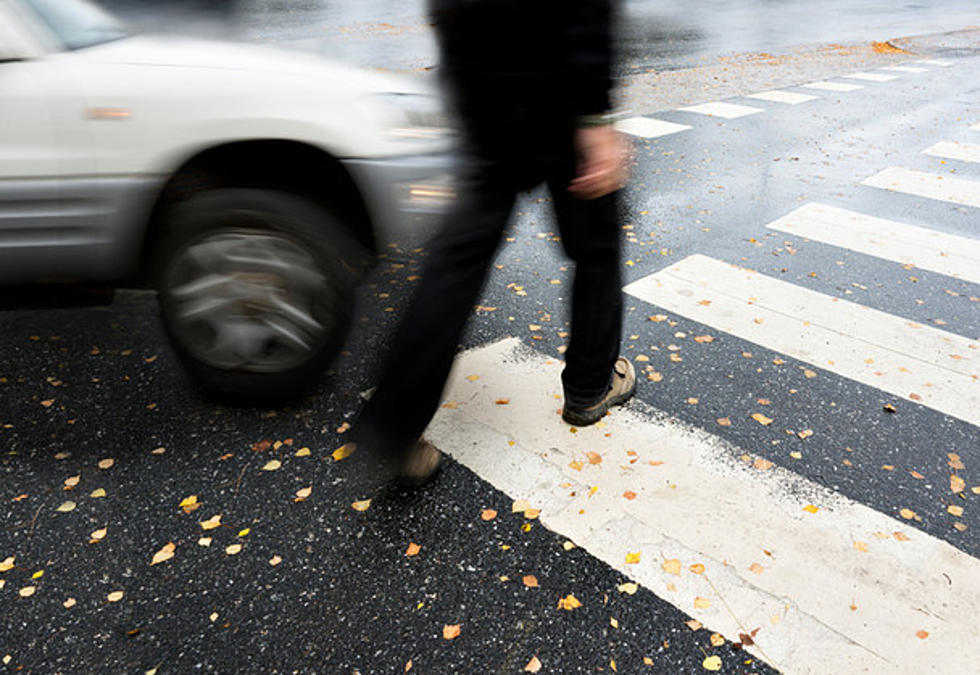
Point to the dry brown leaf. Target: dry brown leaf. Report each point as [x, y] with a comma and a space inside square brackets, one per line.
[717, 640]
[956, 484]
[594, 458]
[212, 522]
[762, 419]
[533, 666]
[629, 494]
[672, 566]
[502, 401]
[569, 602]
[450, 632]
[697, 568]
[488, 514]
[164, 554]
[530, 581]
[413, 549]
[362, 505]
[756, 568]
[724, 421]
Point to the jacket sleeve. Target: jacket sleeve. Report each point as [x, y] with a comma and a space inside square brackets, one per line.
[588, 38]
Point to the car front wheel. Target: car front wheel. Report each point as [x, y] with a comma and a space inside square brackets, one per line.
[256, 290]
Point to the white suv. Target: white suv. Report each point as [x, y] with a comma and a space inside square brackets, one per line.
[247, 185]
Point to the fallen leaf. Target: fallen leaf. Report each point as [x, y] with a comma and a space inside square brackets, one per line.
[189, 503]
[889, 408]
[7, 564]
[694, 624]
[48, 403]
[594, 458]
[115, 596]
[762, 419]
[520, 506]
[921, 634]
[712, 663]
[577, 465]
[959, 527]
[158, 451]
[860, 546]
[810, 508]
[530, 581]
[98, 535]
[756, 568]
[502, 401]
[212, 522]
[533, 666]
[361, 505]
[71, 482]
[244, 532]
[808, 373]
[164, 554]
[697, 568]
[488, 514]
[272, 465]
[106, 463]
[27, 591]
[909, 514]
[472, 378]
[204, 541]
[69, 603]
[955, 510]
[531, 514]
[762, 464]
[956, 484]
[450, 632]
[303, 452]
[303, 493]
[344, 451]
[234, 549]
[900, 536]
[629, 588]
[66, 507]
[703, 338]
[717, 640]
[275, 560]
[569, 603]
[568, 545]
[701, 603]
[724, 421]
[629, 495]
[805, 434]
[97, 493]
[413, 549]
[632, 558]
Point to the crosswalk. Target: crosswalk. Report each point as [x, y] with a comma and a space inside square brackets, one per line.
[835, 585]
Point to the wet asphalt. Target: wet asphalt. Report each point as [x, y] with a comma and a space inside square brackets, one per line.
[84, 384]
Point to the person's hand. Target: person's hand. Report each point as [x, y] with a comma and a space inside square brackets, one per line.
[603, 162]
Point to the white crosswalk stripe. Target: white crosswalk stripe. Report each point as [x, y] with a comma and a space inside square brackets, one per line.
[943, 188]
[721, 109]
[964, 152]
[938, 369]
[833, 86]
[872, 77]
[906, 69]
[975, 127]
[823, 577]
[936, 62]
[925, 248]
[783, 97]
[646, 127]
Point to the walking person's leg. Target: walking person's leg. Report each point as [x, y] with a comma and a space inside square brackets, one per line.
[422, 351]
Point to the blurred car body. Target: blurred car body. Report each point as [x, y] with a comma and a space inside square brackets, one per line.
[246, 184]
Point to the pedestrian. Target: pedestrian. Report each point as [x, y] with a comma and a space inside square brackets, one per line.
[530, 81]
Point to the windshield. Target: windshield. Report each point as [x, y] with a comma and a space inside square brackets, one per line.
[76, 23]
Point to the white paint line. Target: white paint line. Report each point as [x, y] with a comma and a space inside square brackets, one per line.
[906, 69]
[940, 370]
[833, 86]
[975, 127]
[927, 249]
[783, 97]
[935, 62]
[922, 184]
[718, 109]
[821, 604]
[646, 127]
[964, 152]
[872, 77]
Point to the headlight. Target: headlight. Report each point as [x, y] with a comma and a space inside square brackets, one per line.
[409, 116]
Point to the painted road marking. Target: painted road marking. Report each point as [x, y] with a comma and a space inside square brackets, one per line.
[646, 127]
[927, 249]
[906, 69]
[872, 77]
[935, 62]
[783, 97]
[922, 184]
[964, 152]
[719, 109]
[975, 127]
[833, 86]
[833, 591]
[938, 369]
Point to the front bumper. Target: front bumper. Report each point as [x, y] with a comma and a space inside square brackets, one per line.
[406, 197]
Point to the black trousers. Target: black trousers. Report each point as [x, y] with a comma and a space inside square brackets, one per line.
[418, 364]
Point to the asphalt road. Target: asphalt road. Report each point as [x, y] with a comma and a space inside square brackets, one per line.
[317, 586]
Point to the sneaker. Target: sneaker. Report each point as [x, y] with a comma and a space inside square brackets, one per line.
[420, 465]
[621, 390]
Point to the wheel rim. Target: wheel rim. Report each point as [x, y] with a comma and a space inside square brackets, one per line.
[248, 300]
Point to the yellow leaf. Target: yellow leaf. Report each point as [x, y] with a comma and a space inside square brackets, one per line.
[66, 507]
[7, 564]
[115, 596]
[99, 535]
[450, 632]
[717, 640]
[204, 541]
[909, 514]
[97, 493]
[472, 378]
[629, 588]
[163, 555]
[860, 546]
[272, 465]
[632, 558]
[806, 433]
[234, 549]
[956, 484]
[27, 591]
[809, 373]
[569, 603]
[694, 624]
[697, 568]
[724, 422]
[568, 545]
[762, 419]
[413, 549]
[533, 666]
[613, 622]
[188, 502]
[303, 452]
[69, 603]
[762, 464]
[955, 510]
[106, 463]
[900, 536]
[344, 451]
[712, 663]
[612, 664]
[701, 603]
[212, 522]
[72, 481]
[304, 493]
[361, 505]
[244, 533]
[275, 560]
[672, 566]
[519, 506]
[810, 508]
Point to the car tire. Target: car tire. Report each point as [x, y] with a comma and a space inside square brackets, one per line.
[256, 290]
